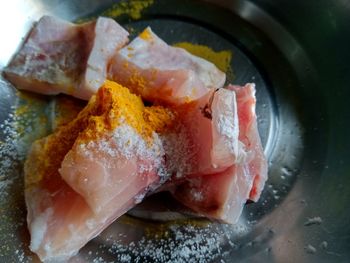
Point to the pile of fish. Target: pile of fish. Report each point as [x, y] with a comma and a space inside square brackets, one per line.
[79, 179]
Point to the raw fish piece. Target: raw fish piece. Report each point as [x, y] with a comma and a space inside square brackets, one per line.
[221, 196]
[61, 57]
[217, 196]
[159, 72]
[108, 155]
[205, 139]
[112, 169]
[250, 137]
[99, 169]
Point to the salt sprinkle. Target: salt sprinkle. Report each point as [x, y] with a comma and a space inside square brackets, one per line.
[226, 123]
[9, 154]
[310, 249]
[179, 152]
[324, 245]
[187, 243]
[196, 195]
[313, 221]
[125, 142]
[12, 152]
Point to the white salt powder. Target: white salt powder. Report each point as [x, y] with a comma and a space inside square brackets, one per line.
[125, 142]
[310, 249]
[197, 195]
[225, 123]
[185, 243]
[179, 152]
[138, 198]
[313, 221]
[10, 152]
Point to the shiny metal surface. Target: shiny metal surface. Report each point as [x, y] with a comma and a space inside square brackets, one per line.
[297, 53]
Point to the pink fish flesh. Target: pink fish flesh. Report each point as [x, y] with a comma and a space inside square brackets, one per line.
[76, 187]
[250, 137]
[222, 196]
[61, 57]
[159, 72]
[205, 137]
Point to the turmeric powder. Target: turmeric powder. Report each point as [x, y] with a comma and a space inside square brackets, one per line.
[119, 105]
[158, 118]
[221, 59]
[146, 35]
[112, 106]
[132, 9]
[136, 82]
[46, 154]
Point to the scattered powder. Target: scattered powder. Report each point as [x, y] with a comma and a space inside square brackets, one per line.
[310, 249]
[138, 198]
[324, 245]
[132, 9]
[9, 153]
[99, 260]
[178, 152]
[23, 123]
[196, 194]
[226, 125]
[286, 171]
[313, 221]
[182, 243]
[125, 142]
[131, 144]
[222, 59]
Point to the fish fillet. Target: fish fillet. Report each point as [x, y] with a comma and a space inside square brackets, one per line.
[61, 57]
[222, 196]
[205, 137]
[159, 72]
[89, 172]
[250, 137]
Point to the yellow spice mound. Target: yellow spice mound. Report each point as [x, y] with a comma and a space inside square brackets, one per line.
[111, 106]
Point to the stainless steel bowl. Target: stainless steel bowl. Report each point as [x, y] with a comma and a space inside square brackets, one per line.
[297, 52]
